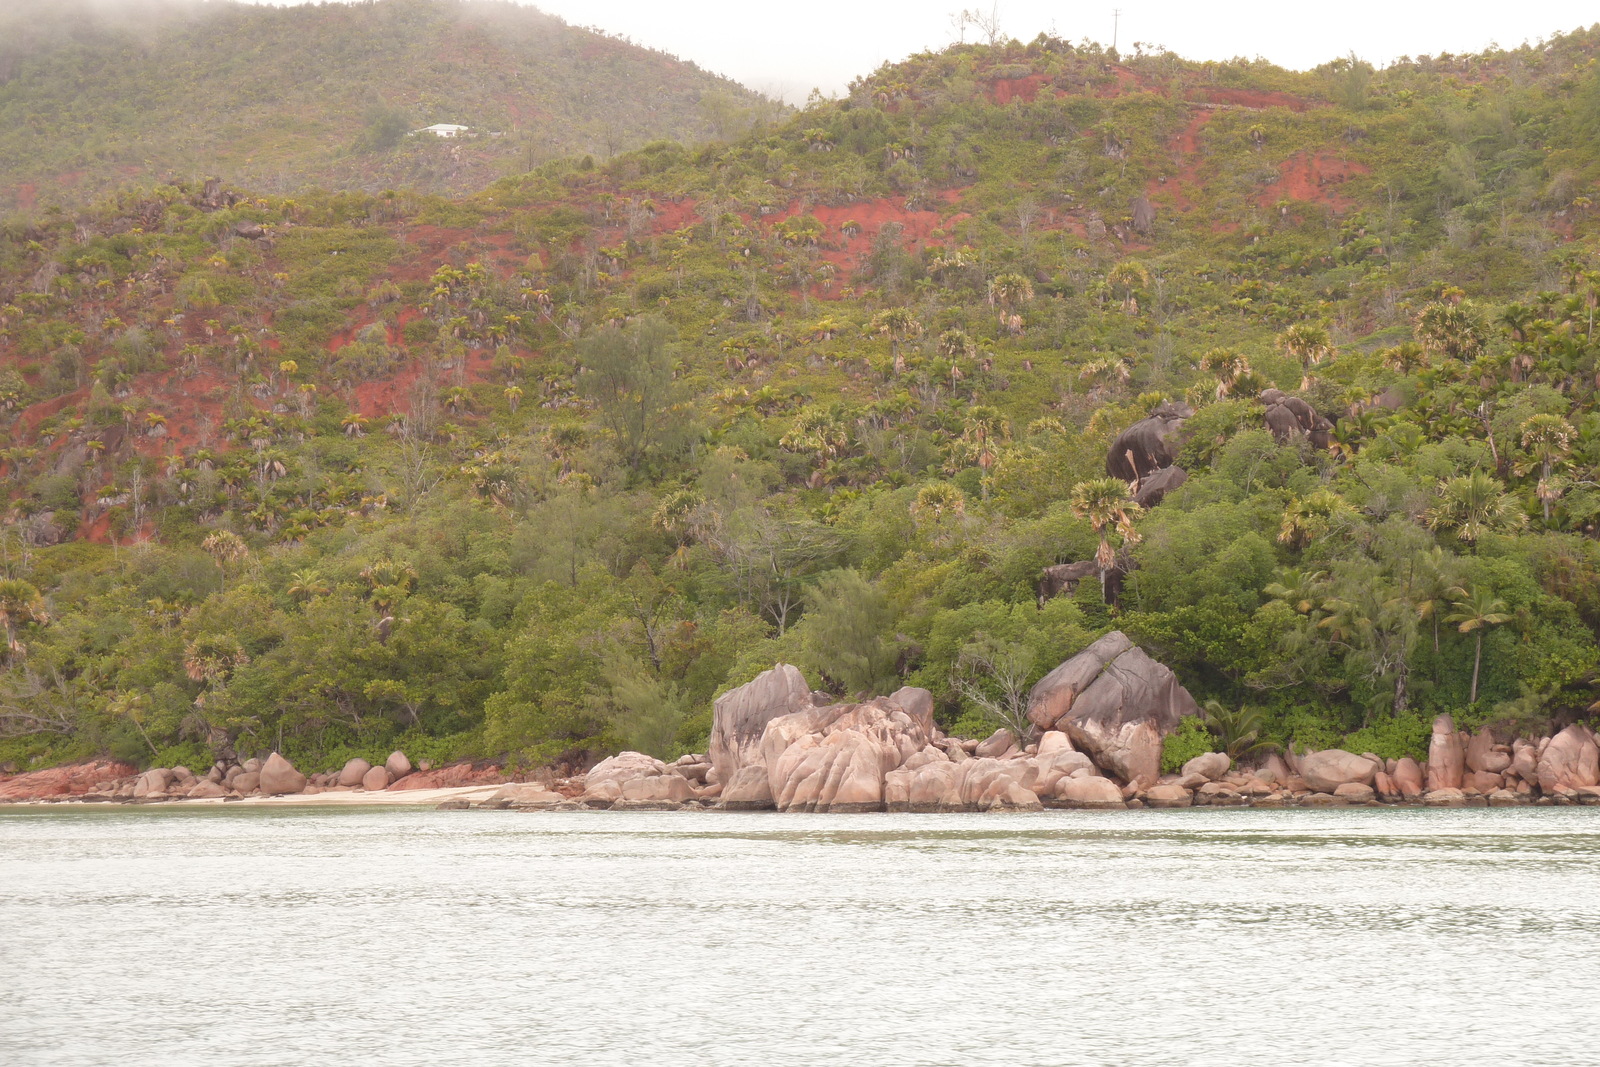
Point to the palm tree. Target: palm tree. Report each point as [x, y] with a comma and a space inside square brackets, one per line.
[1312, 516]
[1405, 358]
[307, 585]
[225, 547]
[1547, 440]
[1432, 583]
[1476, 610]
[20, 604]
[1238, 731]
[1453, 330]
[898, 324]
[212, 658]
[1473, 505]
[1301, 590]
[1010, 291]
[1106, 504]
[983, 430]
[1309, 343]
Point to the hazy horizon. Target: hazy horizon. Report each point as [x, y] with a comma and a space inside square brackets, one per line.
[777, 52]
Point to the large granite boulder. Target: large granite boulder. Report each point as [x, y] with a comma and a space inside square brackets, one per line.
[1484, 756]
[1209, 765]
[739, 717]
[835, 758]
[1064, 578]
[1570, 761]
[1148, 444]
[931, 781]
[278, 776]
[1116, 704]
[397, 765]
[375, 780]
[1327, 770]
[605, 781]
[1408, 778]
[353, 772]
[1154, 486]
[1289, 417]
[1447, 757]
[1090, 791]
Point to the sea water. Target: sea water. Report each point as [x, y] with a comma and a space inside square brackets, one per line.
[298, 936]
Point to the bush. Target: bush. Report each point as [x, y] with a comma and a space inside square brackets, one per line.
[1189, 740]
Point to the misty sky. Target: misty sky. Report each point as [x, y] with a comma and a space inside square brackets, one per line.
[789, 48]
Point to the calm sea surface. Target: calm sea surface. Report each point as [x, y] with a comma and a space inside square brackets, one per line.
[1300, 938]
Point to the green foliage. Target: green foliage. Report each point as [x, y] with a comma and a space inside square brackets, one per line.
[1189, 740]
[537, 472]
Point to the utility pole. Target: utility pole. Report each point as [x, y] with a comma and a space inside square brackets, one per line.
[1116, 17]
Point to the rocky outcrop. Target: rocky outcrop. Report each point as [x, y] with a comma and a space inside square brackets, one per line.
[1326, 771]
[930, 782]
[1064, 578]
[1569, 762]
[1447, 759]
[353, 772]
[1154, 486]
[73, 780]
[740, 716]
[525, 796]
[278, 776]
[397, 765]
[1116, 704]
[1290, 417]
[375, 779]
[452, 776]
[1210, 766]
[836, 758]
[1148, 444]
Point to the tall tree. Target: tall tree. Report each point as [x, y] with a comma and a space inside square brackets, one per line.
[1105, 503]
[628, 372]
[1476, 610]
[21, 604]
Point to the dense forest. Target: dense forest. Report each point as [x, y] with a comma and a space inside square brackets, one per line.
[535, 473]
[96, 94]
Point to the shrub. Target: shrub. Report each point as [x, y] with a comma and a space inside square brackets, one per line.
[1189, 740]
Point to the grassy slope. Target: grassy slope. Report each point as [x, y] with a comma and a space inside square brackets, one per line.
[1337, 196]
[278, 97]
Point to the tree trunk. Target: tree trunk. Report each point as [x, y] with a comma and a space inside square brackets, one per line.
[1477, 660]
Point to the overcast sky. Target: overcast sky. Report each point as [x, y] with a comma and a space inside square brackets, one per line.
[791, 47]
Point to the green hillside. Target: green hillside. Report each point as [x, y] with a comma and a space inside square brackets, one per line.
[95, 95]
[539, 471]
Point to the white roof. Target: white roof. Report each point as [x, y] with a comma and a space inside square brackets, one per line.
[443, 127]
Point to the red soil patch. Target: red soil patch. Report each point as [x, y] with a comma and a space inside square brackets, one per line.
[388, 397]
[847, 252]
[27, 196]
[1185, 149]
[1126, 81]
[675, 215]
[1005, 90]
[1313, 179]
[1250, 98]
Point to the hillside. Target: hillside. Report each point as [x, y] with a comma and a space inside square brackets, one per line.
[95, 95]
[537, 472]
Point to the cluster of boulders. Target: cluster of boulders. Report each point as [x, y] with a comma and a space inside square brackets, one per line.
[777, 745]
[1145, 456]
[1290, 417]
[1097, 725]
[233, 780]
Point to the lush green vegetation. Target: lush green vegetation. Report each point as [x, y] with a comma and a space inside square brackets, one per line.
[542, 470]
[277, 98]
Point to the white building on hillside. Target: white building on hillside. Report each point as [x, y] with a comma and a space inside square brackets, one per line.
[444, 129]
